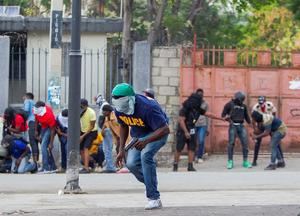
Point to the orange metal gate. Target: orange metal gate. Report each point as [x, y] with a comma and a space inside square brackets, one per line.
[222, 72]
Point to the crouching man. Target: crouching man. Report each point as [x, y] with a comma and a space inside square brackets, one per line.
[277, 129]
[149, 124]
[20, 154]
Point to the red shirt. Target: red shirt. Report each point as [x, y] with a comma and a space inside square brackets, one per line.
[19, 123]
[47, 120]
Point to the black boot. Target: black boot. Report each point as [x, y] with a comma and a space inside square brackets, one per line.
[281, 164]
[175, 167]
[191, 168]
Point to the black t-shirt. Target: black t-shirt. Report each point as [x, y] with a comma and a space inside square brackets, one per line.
[191, 116]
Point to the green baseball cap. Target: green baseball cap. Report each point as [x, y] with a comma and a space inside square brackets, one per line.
[123, 89]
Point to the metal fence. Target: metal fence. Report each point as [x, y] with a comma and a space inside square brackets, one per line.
[29, 71]
[224, 56]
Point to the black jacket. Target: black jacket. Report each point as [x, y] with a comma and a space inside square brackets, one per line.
[237, 113]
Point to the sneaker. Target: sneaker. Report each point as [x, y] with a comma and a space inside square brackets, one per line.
[254, 163]
[280, 164]
[229, 164]
[153, 204]
[108, 171]
[200, 160]
[271, 167]
[123, 170]
[175, 167]
[247, 164]
[84, 171]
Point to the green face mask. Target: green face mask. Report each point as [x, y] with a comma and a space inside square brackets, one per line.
[124, 104]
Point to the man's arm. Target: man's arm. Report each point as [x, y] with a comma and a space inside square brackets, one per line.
[264, 134]
[26, 151]
[247, 117]
[182, 125]
[213, 116]
[124, 130]
[226, 110]
[156, 135]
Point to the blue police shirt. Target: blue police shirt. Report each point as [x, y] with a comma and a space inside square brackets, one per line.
[17, 148]
[147, 117]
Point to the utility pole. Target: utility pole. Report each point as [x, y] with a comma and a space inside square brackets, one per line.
[72, 185]
[55, 55]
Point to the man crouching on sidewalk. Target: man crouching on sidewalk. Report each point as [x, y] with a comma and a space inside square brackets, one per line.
[149, 124]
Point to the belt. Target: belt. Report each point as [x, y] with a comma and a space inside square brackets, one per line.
[237, 123]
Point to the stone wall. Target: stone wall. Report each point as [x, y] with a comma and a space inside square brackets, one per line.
[165, 82]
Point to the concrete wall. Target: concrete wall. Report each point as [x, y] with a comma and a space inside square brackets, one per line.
[165, 83]
[93, 72]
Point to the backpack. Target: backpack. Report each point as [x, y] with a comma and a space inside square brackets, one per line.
[23, 113]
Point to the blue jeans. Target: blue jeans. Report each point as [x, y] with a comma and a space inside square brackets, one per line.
[275, 142]
[107, 149]
[201, 135]
[143, 166]
[240, 131]
[63, 150]
[48, 160]
[25, 165]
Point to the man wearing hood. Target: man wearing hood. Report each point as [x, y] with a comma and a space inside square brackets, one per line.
[235, 111]
[186, 131]
[148, 123]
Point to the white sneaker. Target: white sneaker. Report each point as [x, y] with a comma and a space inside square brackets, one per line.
[200, 160]
[153, 204]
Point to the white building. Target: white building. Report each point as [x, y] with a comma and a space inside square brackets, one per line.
[29, 64]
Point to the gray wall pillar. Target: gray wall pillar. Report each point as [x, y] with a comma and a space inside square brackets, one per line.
[4, 72]
[141, 66]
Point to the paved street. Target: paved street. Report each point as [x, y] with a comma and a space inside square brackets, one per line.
[212, 190]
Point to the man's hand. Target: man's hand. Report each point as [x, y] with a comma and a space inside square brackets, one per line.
[18, 161]
[119, 159]
[207, 133]
[36, 135]
[187, 135]
[50, 147]
[140, 144]
[81, 139]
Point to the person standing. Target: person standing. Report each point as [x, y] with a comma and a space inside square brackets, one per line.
[264, 107]
[186, 130]
[148, 124]
[45, 118]
[202, 128]
[62, 132]
[236, 112]
[28, 107]
[88, 133]
[277, 129]
[111, 134]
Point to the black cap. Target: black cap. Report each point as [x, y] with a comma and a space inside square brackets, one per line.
[84, 102]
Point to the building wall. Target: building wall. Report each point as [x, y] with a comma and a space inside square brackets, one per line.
[165, 83]
[93, 48]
